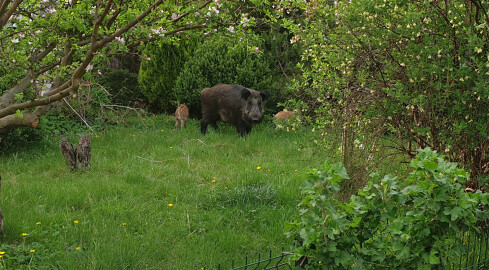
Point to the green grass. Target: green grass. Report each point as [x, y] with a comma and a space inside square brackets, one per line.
[122, 203]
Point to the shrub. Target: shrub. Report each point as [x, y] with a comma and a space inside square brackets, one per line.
[160, 68]
[415, 68]
[410, 223]
[123, 87]
[223, 59]
[19, 138]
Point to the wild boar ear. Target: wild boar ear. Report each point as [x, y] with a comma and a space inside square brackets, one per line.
[245, 93]
[265, 95]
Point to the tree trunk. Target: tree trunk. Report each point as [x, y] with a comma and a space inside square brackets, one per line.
[82, 153]
[68, 153]
[78, 158]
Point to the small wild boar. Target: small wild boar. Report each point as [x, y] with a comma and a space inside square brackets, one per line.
[233, 104]
[181, 115]
[283, 117]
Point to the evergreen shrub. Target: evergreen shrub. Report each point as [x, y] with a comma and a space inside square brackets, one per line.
[223, 59]
[160, 68]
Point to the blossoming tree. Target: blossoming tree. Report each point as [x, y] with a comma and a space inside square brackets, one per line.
[48, 47]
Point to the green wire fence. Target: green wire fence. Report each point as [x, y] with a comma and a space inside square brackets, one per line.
[473, 254]
[270, 261]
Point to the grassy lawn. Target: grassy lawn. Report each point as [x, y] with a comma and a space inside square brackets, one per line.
[155, 198]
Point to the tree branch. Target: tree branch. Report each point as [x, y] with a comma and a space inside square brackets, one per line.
[131, 24]
[8, 96]
[6, 15]
[147, 40]
[99, 20]
[36, 102]
[3, 7]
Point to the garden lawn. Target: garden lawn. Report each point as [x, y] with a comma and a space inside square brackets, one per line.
[154, 198]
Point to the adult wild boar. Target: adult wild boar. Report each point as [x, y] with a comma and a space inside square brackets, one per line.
[234, 104]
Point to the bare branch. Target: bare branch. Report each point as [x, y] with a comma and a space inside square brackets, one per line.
[83, 119]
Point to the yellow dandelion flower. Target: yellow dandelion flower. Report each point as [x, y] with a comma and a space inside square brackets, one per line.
[225, 187]
[170, 205]
[213, 180]
[76, 221]
[2, 252]
[296, 170]
[124, 224]
[32, 250]
[258, 168]
[78, 248]
[1, 256]
[38, 223]
[25, 234]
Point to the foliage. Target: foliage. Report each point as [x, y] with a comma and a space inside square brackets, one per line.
[417, 69]
[50, 47]
[20, 138]
[223, 59]
[57, 123]
[393, 222]
[161, 66]
[122, 86]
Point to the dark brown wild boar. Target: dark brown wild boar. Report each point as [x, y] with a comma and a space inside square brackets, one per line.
[233, 104]
[181, 115]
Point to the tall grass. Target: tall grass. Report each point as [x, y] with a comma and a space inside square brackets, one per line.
[155, 198]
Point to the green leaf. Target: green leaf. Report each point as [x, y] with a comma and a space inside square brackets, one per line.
[19, 114]
[430, 165]
[433, 259]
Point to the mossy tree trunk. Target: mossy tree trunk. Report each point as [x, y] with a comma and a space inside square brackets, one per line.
[77, 158]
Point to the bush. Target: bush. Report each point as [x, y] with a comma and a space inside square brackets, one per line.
[223, 59]
[19, 138]
[160, 68]
[414, 68]
[399, 224]
[123, 87]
